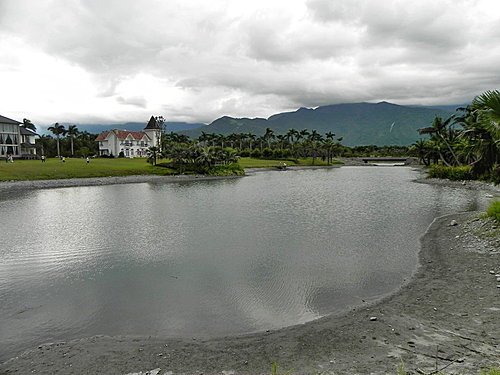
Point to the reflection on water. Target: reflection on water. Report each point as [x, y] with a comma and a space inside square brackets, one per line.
[206, 258]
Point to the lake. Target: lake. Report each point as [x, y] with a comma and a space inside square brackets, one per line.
[209, 258]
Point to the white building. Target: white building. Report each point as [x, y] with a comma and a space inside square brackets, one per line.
[16, 140]
[131, 143]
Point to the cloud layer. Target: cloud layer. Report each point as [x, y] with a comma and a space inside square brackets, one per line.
[123, 60]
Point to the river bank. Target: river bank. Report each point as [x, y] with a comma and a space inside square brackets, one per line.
[446, 315]
[100, 181]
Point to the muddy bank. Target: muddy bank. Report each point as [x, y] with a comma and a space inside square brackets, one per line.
[97, 181]
[447, 315]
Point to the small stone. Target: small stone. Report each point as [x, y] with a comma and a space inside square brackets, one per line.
[373, 318]
[492, 272]
[453, 223]
[498, 286]
[435, 309]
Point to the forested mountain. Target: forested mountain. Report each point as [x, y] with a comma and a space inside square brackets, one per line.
[358, 123]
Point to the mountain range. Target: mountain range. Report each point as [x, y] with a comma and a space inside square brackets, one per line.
[357, 123]
[133, 126]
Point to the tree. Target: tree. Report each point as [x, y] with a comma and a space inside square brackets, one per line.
[153, 152]
[268, 136]
[27, 124]
[44, 142]
[441, 132]
[57, 130]
[72, 132]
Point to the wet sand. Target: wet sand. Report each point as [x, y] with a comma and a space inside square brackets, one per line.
[447, 315]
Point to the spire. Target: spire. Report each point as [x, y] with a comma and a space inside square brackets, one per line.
[152, 124]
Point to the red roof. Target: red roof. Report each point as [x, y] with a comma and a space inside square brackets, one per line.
[121, 135]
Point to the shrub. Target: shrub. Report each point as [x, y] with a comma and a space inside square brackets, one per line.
[226, 170]
[244, 153]
[495, 174]
[463, 172]
[267, 153]
[256, 153]
[494, 210]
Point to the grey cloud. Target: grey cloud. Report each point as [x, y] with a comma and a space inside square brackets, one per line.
[257, 62]
[137, 101]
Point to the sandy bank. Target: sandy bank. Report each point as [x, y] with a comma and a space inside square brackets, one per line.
[448, 314]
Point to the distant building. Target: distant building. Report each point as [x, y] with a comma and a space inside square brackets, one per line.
[131, 143]
[16, 140]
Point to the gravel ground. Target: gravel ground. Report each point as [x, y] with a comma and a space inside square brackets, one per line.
[447, 316]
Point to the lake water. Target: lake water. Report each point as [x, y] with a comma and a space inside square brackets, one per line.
[209, 258]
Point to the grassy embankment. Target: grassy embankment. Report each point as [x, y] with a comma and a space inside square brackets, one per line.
[76, 168]
[54, 169]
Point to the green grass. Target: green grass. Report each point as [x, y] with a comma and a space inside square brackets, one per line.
[77, 168]
[54, 169]
[494, 210]
[270, 163]
[463, 172]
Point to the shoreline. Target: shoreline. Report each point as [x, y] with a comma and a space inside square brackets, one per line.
[115, 180]
[421, 320]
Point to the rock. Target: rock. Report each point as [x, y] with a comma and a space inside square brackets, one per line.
[373, 318]
[492, 272]
[453, 223]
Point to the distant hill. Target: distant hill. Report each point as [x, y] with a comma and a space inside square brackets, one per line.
[134, 126]
[358, 123]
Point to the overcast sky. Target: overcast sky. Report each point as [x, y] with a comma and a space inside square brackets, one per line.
[124, 60]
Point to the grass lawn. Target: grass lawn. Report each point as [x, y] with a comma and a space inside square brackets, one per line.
[270, 163]
[53, 168]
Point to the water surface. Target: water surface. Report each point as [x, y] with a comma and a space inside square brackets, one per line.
[209, 258]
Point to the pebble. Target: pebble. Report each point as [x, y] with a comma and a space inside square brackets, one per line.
[492, 272]
[373, 318]
[453, 223]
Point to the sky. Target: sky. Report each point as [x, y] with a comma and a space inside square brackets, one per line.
[96, 61]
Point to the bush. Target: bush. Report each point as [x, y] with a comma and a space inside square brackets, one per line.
[463, 172]
[495, 175]
[256, 153]
[244, 153]
[494, 210]
[226, 170]
[267, 153]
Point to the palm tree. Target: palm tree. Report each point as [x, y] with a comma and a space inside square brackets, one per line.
[72, 132]
[480, 122]
[44, 141]
[442, 132]
[268, 136]
[57, 130]
[27, 124]
[488, 106]
[251, 139]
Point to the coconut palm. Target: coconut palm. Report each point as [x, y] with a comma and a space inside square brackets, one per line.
[57, 130]
[72, 132]
[269, 136]
[27, 124]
